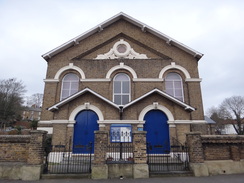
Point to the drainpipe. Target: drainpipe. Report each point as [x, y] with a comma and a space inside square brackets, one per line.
[189, 101]
[120, 112]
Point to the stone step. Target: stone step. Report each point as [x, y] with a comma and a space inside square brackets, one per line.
[164, 159]
[173, 174]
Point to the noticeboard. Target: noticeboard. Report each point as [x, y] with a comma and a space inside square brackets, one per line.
[120, 133]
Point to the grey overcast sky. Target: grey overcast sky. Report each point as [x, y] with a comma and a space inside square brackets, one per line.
[30, 28]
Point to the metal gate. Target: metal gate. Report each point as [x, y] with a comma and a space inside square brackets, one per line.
[175, 160]
[60, 159]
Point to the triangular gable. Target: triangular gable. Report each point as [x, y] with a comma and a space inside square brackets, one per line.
[135, 22]
[72, 97]
[173, 99]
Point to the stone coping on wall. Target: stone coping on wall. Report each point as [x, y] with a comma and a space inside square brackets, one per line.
[12, 163]
[227, 139]
[15, 138]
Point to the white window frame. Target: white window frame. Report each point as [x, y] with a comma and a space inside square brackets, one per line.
[70, 89]
[121, 93]
[173, 84]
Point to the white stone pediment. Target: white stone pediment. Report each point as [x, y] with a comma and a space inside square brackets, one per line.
[122, 49]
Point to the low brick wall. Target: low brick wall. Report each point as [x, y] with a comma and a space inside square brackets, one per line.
[19, 153]
[223, 147]
[14, 148]
[216, 154]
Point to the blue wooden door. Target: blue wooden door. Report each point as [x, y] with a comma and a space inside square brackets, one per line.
[157, 132]
[86, 124]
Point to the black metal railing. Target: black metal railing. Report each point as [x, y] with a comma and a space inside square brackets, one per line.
[172, 160]
[61, 160]
[119, 153]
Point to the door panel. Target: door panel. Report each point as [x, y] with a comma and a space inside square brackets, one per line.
[157, 132]
[86, 124]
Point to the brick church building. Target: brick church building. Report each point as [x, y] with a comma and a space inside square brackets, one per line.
[122, 76]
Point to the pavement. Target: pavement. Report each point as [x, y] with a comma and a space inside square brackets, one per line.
[237, 178]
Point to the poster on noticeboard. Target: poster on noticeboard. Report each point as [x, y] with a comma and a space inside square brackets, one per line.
[120, 133]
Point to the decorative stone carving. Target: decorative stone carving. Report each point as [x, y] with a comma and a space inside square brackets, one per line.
[122, 49]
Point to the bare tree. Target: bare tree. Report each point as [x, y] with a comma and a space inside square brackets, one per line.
[216, 115]
[11, 100]
[35, 99]
[233, 108]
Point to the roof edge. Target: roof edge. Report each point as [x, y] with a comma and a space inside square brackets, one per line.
[72, 97]
[101, 26]
[173, 99]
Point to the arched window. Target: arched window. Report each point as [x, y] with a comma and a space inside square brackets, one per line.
[121, 90]
[174, 86]
[70, 85]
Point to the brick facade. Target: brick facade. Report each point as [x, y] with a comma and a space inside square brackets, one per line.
[147, 85]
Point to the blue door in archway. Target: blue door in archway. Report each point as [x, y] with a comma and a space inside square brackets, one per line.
[86, 124]
[157, 132]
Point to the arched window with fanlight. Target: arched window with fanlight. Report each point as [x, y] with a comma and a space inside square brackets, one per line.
[70, 85]
[121, 89]
[174, 85]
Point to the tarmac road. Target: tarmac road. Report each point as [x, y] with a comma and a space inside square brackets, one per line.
[238, 178]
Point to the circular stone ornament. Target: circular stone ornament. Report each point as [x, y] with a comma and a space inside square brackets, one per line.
[121, 48]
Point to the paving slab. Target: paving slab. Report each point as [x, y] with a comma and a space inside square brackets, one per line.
[237, 178]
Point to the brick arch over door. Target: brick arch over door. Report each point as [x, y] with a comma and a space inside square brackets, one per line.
[85, 107]
[158, 107]
[84, 119]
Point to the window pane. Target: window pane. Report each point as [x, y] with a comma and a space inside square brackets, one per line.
[121, 77]
[66, 85]
[121, 89]
[173, 76]
[170, 91]
[117, 99]
[65, 94]
[168, 84]
[173, 85]
[178, 84]
[125, 86]
[70, 85]
[73, 91]
[180, 98]
[178, 92]
[74, 86]
[125, 99]
[117, 87]
[71, 77]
